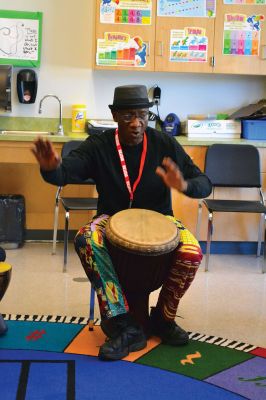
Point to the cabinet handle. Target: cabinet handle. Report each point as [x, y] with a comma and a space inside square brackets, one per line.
[263, 52]
[148, 49]
[159, 49]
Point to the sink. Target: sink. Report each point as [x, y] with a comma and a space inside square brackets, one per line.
[26, 133]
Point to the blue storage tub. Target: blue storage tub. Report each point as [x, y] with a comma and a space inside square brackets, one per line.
[254, 129]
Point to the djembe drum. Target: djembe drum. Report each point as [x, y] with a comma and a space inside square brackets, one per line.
[141, 244]
[5, 276]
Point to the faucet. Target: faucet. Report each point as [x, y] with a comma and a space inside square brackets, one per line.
[60, 130]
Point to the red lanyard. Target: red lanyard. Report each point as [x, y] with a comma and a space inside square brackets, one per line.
[124, 167]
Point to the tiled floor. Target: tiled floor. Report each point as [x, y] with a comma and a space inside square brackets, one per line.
[228, 301]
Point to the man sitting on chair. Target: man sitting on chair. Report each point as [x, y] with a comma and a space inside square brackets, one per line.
[155, 163]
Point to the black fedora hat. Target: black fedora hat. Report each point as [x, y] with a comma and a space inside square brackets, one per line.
[130, 96]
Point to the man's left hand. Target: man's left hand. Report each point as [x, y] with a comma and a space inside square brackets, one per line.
[171, 175]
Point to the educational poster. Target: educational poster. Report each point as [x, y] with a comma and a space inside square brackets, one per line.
[135, 12]
[248, 2]
[20, 38]
[186, 8]
[242, 34]
[188, 45]
[119, 49]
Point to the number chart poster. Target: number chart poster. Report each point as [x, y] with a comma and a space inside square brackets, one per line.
[20, 38]
[133, 12]
[188, 45]
[248, 2]
[186, 8]
[242, 34]
[119, 49]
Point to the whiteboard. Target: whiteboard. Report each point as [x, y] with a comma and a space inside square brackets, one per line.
[20, 38]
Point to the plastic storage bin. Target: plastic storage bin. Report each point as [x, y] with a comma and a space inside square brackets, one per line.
[12, 221]
[254, 129]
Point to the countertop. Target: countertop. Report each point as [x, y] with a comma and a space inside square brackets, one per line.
[183, 140]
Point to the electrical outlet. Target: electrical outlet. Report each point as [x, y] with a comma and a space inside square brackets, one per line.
[157, 95]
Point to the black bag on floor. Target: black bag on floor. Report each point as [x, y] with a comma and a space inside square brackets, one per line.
[12, 220]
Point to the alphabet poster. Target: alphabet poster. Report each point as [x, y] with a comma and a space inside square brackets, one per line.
[20, 38]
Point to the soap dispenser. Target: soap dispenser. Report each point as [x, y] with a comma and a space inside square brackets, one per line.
[27, 84]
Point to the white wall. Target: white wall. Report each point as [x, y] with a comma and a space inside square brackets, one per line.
[66, 70]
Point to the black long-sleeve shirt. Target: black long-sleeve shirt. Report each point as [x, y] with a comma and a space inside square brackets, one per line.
[97, 158]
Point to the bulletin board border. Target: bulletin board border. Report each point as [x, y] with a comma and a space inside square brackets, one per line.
[24, 15]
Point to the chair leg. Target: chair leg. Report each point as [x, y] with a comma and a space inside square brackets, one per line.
[56, 211]
[199, 220]
[261, 224]
[92, 303]
[66, 240]
[209, 238]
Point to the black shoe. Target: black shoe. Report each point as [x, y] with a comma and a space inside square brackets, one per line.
[131, 338]
[112, 327]
[168, 331]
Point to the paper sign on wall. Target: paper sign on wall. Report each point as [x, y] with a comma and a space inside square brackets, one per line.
[20, 38]
[119, 49]
[136, 12]
[242, 34]
[186, 8]
[188, 45]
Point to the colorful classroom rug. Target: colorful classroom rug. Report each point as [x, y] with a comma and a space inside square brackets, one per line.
[53, 357]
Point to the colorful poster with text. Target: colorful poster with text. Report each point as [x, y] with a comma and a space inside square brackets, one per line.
[188, 45]
[118, 49]
[186, 8]
[242, 34]
[129, 12]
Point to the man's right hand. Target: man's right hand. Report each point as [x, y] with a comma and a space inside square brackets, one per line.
[45, 154]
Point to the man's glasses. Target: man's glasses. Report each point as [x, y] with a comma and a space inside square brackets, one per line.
[127, 117]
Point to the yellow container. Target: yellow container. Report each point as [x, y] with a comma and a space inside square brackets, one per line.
[78, 118]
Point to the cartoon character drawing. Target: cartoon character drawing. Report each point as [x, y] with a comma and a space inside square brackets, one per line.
[254, 21]
[141, 52]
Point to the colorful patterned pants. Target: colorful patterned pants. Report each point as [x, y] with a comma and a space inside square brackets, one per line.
[90, 245]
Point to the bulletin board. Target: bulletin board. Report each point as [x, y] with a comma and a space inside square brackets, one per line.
[20, 38]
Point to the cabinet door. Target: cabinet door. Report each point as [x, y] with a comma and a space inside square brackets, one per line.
[185, 208]
[233, 41]
[164, 25]
[145, 32]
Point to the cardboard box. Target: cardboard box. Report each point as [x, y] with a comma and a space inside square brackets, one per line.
[213, 128]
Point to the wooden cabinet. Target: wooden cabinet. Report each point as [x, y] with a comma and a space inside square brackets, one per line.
[164, 25]
[20, 174]
[157, 37]
[185, 208]
[239, 64]
[145, 32]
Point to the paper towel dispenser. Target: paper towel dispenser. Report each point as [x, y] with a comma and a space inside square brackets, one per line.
[27, 84]
[5, 87]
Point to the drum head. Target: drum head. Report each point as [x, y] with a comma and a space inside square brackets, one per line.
[142, 231]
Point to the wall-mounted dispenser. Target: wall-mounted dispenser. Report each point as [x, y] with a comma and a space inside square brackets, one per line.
[5, 88]
[27, 84]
